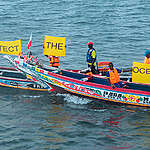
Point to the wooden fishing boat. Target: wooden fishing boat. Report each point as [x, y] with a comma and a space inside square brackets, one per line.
[97, 87]
[12, 78]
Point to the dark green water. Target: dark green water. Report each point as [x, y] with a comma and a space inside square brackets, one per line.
[120, 31]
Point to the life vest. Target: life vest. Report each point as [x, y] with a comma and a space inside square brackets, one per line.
[89, 55]
[89, 73]
[54, 61]
[113, 76]
[147, 60]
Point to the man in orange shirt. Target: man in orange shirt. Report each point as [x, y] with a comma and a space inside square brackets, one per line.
[53, 61]
[113, 76]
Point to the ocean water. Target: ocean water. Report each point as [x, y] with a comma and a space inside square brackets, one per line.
[120, 31]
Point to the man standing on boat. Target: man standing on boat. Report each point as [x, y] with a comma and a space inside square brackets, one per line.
[113, 76]
[91, 57]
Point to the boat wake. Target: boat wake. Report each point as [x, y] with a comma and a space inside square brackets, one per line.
[74, 99]
[31, 96]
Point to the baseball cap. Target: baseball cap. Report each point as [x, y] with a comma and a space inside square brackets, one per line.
[147, 52]
[90, 43]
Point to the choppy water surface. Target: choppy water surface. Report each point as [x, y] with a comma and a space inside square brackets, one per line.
[120, 31]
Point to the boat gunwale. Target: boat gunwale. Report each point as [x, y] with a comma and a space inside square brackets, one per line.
[24, 88]
[16, 79]
[97, 85]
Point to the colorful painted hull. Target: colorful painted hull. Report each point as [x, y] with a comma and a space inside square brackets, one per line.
[97, 87]
[11, 78]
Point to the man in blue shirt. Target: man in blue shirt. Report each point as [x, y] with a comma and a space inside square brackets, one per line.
[91, 57]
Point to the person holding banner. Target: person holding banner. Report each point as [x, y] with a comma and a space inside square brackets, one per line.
[53, 61]
[147, 57]
[91, 57]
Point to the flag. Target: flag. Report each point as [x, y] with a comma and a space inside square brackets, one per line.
[30, 42]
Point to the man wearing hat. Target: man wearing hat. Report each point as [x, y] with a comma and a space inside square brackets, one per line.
[147, 57]
[91, 57]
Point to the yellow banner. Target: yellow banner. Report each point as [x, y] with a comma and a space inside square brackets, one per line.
[54, 46]
[141, 72]
[11, 47]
